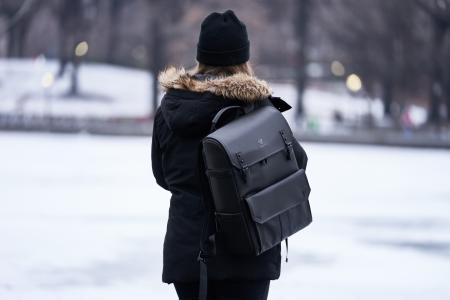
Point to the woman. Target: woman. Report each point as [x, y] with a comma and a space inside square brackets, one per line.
[223, 77]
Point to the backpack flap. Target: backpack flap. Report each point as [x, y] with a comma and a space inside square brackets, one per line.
[260, 136]
[280, 210]
[254, 135]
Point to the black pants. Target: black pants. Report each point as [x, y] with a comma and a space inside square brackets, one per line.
[226, 290]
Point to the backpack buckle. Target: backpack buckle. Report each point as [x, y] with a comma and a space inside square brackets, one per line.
[201, 256]
[288, 144]
[289, 150]
[244, 168]
[244, 173]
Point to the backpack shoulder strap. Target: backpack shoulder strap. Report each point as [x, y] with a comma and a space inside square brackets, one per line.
[221, 113]
[207, 238]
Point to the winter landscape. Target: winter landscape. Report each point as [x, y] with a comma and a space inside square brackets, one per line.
[82, 218]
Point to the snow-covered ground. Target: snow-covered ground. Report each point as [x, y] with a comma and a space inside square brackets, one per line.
[31, 86]
[81, 218]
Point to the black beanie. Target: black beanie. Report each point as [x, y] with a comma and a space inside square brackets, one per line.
[223, 40]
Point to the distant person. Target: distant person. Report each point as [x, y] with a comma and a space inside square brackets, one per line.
[223, 77]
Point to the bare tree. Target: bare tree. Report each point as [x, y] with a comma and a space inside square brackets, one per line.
[75, 18]
[19, 14]
[162, 12]
[439, 12]
[303, 8]
[115, 7]
[381, 42]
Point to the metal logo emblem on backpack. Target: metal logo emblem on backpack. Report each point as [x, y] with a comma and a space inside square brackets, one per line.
[260, 142]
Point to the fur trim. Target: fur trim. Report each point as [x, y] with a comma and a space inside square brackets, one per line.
[238, 86]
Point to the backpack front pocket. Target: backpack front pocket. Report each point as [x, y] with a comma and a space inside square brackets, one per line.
[280, 210]
[230, 227]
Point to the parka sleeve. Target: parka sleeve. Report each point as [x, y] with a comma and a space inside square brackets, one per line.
[300, 154]
[157, 169]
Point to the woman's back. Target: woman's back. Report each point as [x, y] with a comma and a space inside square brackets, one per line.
[223, 77]
[183, 119]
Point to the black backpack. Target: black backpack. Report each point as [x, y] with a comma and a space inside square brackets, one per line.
[254, 190]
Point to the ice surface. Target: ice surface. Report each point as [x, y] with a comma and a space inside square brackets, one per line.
[81, 217]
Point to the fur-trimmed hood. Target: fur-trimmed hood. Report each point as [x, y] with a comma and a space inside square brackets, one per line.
[191, 101]
[239, 86]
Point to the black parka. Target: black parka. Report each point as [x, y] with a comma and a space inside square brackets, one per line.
[182, 120]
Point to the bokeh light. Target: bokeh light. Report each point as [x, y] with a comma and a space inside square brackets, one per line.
[337, 68]
[81, 49]
[353, 83]
[47, 80]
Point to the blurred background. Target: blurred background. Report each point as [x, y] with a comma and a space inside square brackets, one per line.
[369, 81]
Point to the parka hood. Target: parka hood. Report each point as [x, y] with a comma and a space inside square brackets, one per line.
[191, 101]
[239, 86]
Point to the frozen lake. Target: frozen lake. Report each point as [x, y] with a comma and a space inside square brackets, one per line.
[82, 218]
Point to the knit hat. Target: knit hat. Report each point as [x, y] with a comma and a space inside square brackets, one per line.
[223, 40]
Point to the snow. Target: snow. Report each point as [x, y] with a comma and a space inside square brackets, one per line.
[29, 86]
[321, 105]
[82, 218]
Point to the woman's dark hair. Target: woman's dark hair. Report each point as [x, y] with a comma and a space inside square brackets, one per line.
[222, 71]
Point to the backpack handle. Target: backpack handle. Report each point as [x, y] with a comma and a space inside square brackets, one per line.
[220, 113]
